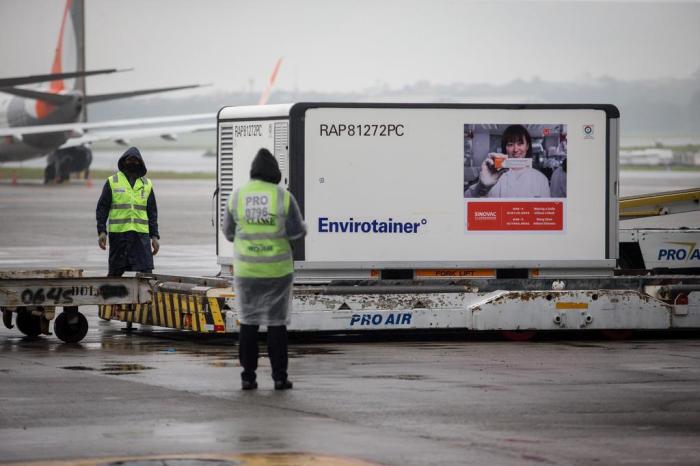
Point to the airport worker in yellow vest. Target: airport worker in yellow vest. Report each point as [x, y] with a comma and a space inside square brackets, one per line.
[128, 204]
[262, 219]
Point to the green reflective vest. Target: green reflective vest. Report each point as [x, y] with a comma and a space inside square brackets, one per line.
[260, 245]
[129, 211]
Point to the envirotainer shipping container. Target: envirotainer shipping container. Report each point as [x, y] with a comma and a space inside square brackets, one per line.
[396, 187]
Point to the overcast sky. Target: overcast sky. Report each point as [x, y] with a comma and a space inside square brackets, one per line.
[347, 45]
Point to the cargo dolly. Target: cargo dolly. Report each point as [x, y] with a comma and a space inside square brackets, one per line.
[516, 306]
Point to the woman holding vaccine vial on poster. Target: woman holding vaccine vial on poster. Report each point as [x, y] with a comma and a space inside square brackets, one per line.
[510, 173]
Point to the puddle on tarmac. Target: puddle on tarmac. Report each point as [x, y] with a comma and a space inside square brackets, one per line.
[395, 377]
[580, 345]
[224, 364]
[113, 368]
[78, 368]
[298, 352]
[123, 369]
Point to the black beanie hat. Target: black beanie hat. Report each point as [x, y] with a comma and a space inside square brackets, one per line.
[265, 167]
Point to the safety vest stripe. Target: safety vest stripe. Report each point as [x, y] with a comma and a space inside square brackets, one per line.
[281, 221]
[263, 259]
[121, 221]
[260, 236]
[129, 206]
[115, 178]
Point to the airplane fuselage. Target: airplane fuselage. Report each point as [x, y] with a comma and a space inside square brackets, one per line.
[20, 111]
[50, 121]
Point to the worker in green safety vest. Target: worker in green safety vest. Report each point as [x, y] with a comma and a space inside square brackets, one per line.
[128, 205]
[262, 219]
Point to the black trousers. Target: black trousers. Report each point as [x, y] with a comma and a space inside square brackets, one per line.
[276, 350]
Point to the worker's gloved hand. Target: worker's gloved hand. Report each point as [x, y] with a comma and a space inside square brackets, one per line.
[489, 174]
[155, 245]
[102, 240]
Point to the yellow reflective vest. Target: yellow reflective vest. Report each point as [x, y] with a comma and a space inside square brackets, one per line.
[260, 246]
[128, 211]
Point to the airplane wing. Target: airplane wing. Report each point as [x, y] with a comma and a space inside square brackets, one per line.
[92, 98]
[122, 130]
[120, 136]
[39, 78]
[19, 131]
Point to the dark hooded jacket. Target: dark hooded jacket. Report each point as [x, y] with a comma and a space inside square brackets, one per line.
[129, 250]
[265, 167]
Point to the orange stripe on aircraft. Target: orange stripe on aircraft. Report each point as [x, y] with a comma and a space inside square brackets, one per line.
[44, 108]
[266, 93]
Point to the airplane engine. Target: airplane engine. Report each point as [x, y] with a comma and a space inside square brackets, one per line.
[61, 163]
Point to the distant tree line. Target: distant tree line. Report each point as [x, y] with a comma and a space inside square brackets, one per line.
[670, 106]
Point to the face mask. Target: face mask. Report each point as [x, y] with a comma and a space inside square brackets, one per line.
[131, 167]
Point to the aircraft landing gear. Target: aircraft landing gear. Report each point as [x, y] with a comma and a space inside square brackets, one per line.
[63, 162]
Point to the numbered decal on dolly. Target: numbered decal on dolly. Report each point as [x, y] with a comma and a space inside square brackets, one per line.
[49, 295]
[61, 295]
[394, 318]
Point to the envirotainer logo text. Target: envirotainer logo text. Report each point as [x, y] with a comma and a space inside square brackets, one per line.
[326, 225]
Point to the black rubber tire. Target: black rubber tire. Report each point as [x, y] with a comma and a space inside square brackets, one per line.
[7, 318]
[28, 324]
[70, 327]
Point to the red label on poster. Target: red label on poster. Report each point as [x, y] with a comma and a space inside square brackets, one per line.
[507, 216]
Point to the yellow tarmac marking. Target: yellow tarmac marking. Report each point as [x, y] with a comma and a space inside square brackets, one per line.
[247, 459]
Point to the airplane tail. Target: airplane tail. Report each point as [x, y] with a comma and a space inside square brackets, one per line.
[70, 47]
[69, 54]
[271, 82]
[77, 14]
[69, 65]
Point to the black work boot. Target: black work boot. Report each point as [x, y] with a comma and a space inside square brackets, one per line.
[248, 385]
[283, 385]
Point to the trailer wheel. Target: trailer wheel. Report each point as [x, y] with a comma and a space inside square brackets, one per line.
[28, 324]
[70, 326]
[7, 318]
[518, 335]
[617, 335]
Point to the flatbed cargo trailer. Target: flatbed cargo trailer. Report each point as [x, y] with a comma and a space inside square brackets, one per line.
[207, 305]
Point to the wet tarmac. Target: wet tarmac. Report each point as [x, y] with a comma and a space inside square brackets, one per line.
[413, 400]
[54, 226]
[396, 399]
